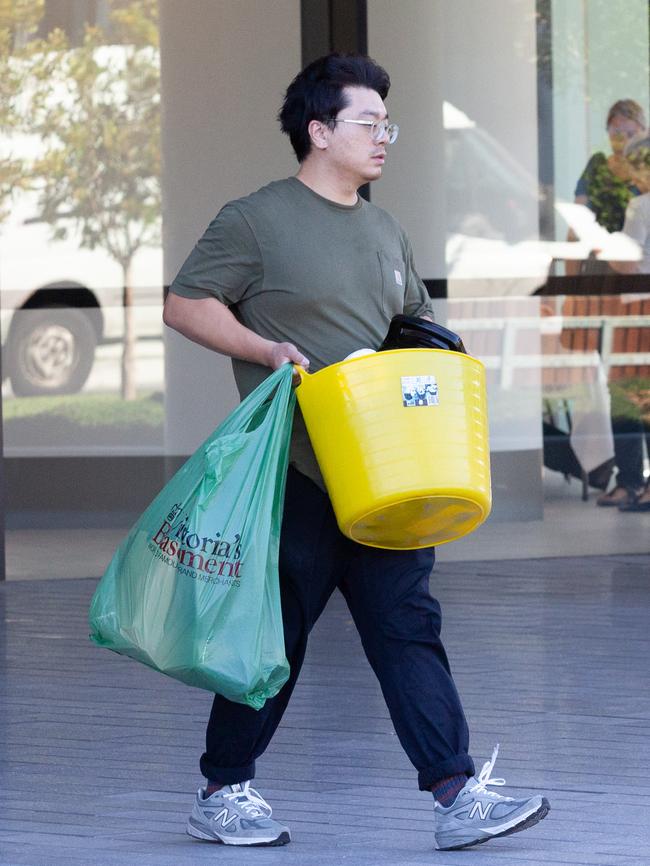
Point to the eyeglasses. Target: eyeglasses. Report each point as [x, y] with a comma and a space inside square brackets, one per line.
[378, 128]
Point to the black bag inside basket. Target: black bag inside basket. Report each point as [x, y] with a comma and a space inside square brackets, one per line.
[412, 332]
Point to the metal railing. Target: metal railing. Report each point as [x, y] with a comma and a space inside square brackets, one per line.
[509, 360]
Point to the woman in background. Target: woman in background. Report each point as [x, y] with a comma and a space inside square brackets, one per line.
[607, 183]
[607, 186]
[629, 457]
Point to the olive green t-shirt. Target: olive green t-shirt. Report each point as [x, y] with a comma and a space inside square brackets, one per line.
[296, 267]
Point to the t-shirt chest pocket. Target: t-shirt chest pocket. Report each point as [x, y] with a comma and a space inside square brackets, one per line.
[393, 279]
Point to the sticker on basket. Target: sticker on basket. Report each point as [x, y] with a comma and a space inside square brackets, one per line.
[419, 391]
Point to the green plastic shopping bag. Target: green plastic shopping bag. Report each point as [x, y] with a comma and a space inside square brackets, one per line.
[193, 590]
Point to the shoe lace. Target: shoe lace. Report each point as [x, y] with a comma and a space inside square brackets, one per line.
[484, 779]
[249, 801]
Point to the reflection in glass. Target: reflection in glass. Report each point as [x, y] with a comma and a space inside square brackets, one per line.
[70, 397]
[597, 394]
[80, 125]
[80, 255]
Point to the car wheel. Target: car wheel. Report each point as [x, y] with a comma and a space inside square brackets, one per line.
[51, 351]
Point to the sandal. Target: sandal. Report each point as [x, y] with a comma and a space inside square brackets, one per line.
[618, 497]
[639, 503]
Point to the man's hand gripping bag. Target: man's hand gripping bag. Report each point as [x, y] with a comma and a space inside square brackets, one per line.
[193, 590]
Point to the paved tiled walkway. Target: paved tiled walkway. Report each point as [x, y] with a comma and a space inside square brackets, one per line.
[98, 755]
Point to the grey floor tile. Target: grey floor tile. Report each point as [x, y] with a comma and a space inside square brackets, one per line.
[550, 656]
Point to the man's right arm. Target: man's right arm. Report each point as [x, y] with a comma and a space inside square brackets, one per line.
[211, 324]
[223, 264]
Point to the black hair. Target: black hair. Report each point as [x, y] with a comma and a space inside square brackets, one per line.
[316, 93]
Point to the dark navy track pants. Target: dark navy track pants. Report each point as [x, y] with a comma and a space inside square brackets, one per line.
[387, 593]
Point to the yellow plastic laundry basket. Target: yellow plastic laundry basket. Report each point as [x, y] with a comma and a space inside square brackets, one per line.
[401, 438]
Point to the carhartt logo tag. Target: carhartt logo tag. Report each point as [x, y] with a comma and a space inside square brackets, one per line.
[483, 809]
[398, 278]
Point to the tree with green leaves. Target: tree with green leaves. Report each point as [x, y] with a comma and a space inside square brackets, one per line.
[95, 108]
[18, 22]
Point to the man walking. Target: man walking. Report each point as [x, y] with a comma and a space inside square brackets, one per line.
[305, 271]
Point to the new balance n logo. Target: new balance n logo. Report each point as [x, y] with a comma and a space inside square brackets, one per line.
[225, 817]
[483, 810]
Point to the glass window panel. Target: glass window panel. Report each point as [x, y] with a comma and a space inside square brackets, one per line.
[80, 247]
[507, 105]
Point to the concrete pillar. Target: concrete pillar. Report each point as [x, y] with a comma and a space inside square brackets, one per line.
[406, 39]
[224, 65]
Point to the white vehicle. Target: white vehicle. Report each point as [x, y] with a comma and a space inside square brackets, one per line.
[59, 301]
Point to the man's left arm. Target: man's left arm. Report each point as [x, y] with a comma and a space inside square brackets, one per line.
[416, 298]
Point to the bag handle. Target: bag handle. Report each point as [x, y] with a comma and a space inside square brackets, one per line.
[279, 381]
[223, 446]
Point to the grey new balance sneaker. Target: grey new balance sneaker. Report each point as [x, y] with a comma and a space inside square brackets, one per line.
[478, 815]
[235, 815]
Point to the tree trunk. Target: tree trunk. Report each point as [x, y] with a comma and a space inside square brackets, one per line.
[129, 391]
